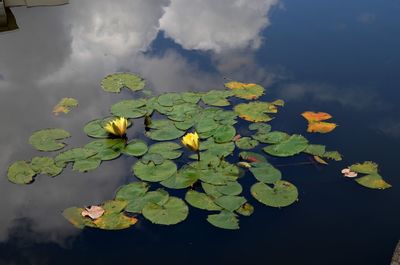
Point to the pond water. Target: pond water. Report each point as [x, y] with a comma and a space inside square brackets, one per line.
[341, 57]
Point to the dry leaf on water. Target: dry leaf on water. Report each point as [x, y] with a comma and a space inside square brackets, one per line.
[348, 173]
[315, 123]
[94, 212]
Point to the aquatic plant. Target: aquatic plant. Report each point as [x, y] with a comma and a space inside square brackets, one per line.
[211, 180]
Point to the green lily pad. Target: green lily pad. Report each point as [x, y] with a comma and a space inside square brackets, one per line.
[184, 178]
[367, 167]
[169, 99]
[132, 108]
[206, 124]
[115, 82]
[159, 197]
[191, 97]
[106, 149]
[201, 201]
[246, 143]
[74, 216]
[168, 150]
[231, 188]
[45, 165]
[46, 140]
[265, 172]
[86, 165]
[282, 194]
[229, 202]
[163, 130]
[334, 155]
[157, 159]
[135, 147]
[292, 146]
[260, 127]
[255, 111]
[274, 137]
[211, 190]
[246, 91]
[373, 181]
[21, 172]
[114, 206]
[224, 220]
[73, 155]
[246, 209]
[132, 191]
[216, 98]
[226, 117]
[218, 172]
[154, 173]
[224, 133]
[172, 212]
[315, 150]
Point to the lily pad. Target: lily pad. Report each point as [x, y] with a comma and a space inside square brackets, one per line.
[21, 172]
[246, 91]
[132, 108]
[231, 188]
[216, 98]
[73, 155]
[159, 197]
[164, 130]
[106, 149]
[230, 203]
[184, 178]
[169, 99]
[224, 133]
[132, 191]
[246, 143]
[224, 220]
[136, 148]
[260, 127]
[201, 201]
[282, 194]
[246, 209]
[45, 165]
[256, 111]
[373, 181]
[172, 212]
[157, 159]
[46, 140]
[115, 221]
[65, 105]
[334, 155]
[115, 82]
[154, 173]
[367, 167]
[211, 190]
[274, 137]
[265, 172]
[315, 150]
[292, 146]
[168, 150]
[191, 97]
[74, 216]
[86, 165]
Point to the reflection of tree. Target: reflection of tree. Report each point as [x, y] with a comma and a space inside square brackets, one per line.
[7, 19]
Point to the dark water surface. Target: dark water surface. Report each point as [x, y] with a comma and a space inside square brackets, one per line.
[341, 57]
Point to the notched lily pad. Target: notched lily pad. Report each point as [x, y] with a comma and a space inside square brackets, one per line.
[224, 220]
[230, 202]
[246, 91]
[292, 146]
[47, 139]
[256, 111]
[65, 105]
[201, 200]
[265, 172]
[172, 212]
[246, 143]
[282, 194]
[154, 173]
[21, 172]
[115, 82]
[135, 147]
[45, 165]
[168, 150]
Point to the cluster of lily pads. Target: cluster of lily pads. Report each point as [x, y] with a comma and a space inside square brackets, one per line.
[212, 183]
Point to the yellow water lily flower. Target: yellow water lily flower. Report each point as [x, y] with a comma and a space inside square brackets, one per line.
[191, 141]
[117, 126]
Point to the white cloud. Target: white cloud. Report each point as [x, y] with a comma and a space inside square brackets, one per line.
[216, 25]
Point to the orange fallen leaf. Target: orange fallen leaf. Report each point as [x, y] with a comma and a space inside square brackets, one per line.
[321, 127]
[316, 116]
[94, 212]
[320, 160]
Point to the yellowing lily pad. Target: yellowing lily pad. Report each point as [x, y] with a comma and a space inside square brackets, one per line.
[281, 194]
[246, 91]
[246, 209]
[172, 212]
[65, 105]
[367, 167]
[373, 181]
[256, 111]
[115, 82]
[46, 140]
